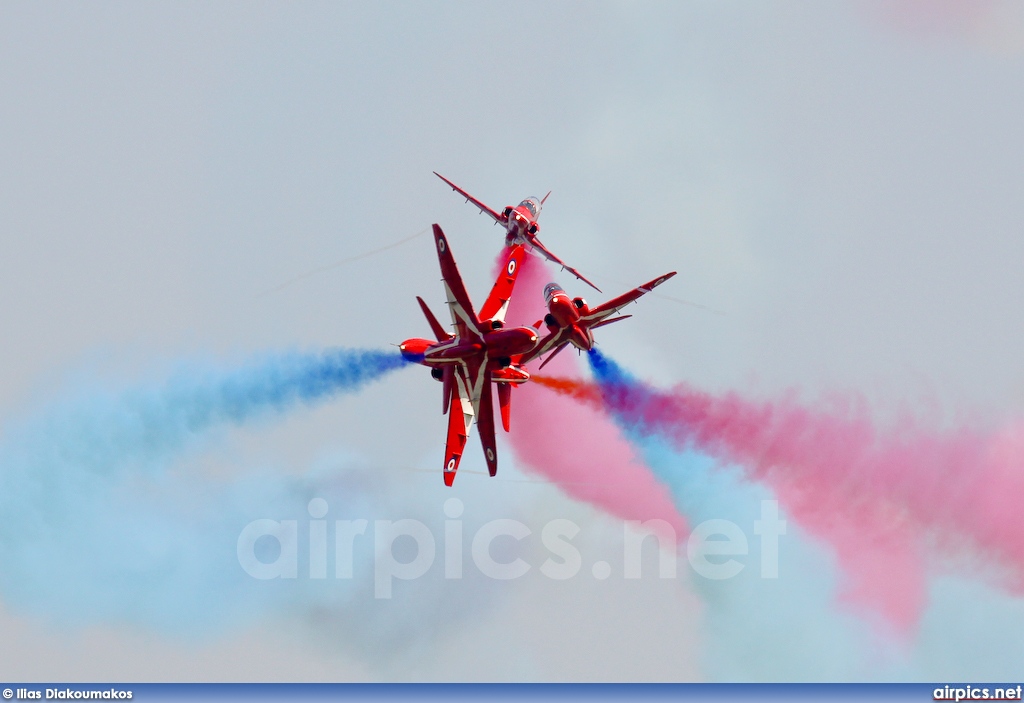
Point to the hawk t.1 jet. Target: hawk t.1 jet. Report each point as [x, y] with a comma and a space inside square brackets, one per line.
[520, 223]
[478, 353]
[572, 321]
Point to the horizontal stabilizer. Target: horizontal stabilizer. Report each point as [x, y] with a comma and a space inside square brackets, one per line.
[505, 404]
[439, 332]
[610, 320]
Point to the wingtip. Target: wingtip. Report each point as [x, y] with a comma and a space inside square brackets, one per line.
[580, 277]
[648, 287]
[449, 183]
[440, 240]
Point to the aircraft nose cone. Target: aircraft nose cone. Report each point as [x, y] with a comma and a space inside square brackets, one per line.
[414, 349]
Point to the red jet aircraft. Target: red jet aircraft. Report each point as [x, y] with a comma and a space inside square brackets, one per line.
[521, 226]
[572, 321]
[480, 351]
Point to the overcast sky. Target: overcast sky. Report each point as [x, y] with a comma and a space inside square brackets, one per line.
[838, 184]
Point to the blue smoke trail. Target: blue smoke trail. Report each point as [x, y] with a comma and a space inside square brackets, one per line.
[110, 431]
[98, 526]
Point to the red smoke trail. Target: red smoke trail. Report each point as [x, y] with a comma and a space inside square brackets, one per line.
[578, 447]
[875, 495]
[576, 388]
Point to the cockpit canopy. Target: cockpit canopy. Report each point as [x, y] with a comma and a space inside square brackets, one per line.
[550, 289]
[533, 205]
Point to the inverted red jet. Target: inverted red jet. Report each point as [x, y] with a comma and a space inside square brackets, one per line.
[521, 226]
[572, 321]
[480, 351]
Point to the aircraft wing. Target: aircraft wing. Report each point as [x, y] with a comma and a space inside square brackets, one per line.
[469, 198]
[485, 426]
[460, 419]
[470, 398]
[558, 348]
[497, 302]
[505, 404]
[553, 340]
[615, 304]
[466, 322]
[536, 243]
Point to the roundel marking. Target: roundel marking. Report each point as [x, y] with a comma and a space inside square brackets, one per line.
[490, 454]
[511, 268]
[450, 466]
[441, 245]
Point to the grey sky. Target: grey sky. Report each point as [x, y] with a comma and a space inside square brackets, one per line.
[844, 186]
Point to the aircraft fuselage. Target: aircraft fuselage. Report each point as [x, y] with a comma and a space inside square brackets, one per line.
[521, 222]
[498, 347]
[566, 313]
